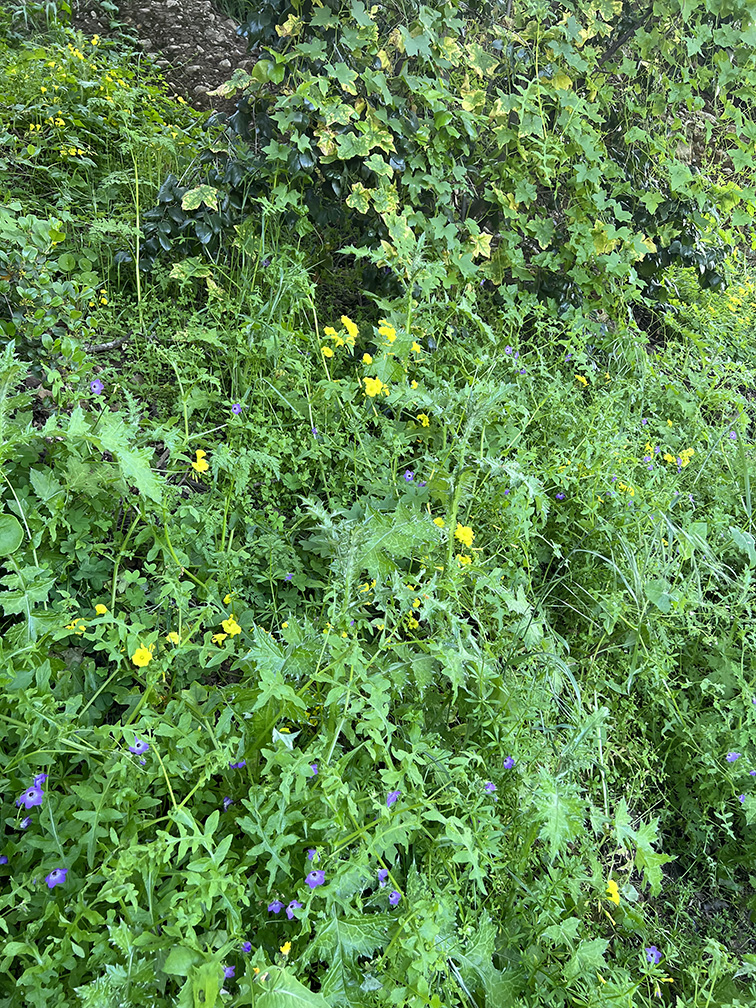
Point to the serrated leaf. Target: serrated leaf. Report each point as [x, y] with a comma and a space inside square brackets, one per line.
[339, 943]
[587, 959]
[45, 484]
[560, 810]
[281, 990]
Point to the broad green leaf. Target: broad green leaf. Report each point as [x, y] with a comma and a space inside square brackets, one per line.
[745, 542]
[181, 960]
[560, 810]
[11, 535]
[587, 959]
[277, 988]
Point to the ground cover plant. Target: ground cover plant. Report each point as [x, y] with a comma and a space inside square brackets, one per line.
[376, 607]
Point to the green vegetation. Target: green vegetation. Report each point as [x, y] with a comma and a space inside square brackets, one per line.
[376, 519]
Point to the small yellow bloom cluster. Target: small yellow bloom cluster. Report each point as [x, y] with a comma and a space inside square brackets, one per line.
[78, 626]
[612, 891]
[173, 637]
[101, 609]
[230, 625]
[583, 381]
[626, 486]
[424, 419]
[439, 521]
[384, 329]
[463, 559]
[374, 387]
[464, 534]
[368, 586]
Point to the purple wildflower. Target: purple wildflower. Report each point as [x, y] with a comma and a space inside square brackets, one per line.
[741, 798]
[227, 802]
[422, 483]
[509, 763]
[394, 897]
[40, 779]
[236, 408]
[56, 877]
[25, 822]
[314, 768]
[507, 349]
[382, 876]
[239, 765]
[315, 878]
[644, 421]
[265, 263]
[653, 955]
[288, 577]
[139, 747]
[409, 475]
[246, 946]
[294, 905]
[96, 387]
[391, 797]
[752, 773]
[560, 496]
[733, 436]
[31, 797]
[730, 757]
[490, 787]
[275, 907]
[311, 853]
[3, 859]
[228, 972]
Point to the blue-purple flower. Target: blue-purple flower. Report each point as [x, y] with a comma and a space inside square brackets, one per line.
[730, 757]
[509, 763]
[236, 408]
[31, 797]
[3, 859]
[653, 955]
[25, 822]
[489, 787]
[391, 797]
[560, 496]
[394, 897]
[140, 746]
[96, 387]
[294, 905]
[382, 876]
[239, 765]
[741, 798]
[311, 853]
[275, 907]
[227, 802]
[228, 972]
[409, 475]
[288, 577]
[314, 768]
[56, 877]
[40, 779]
[315, 878]
[733, 436]
[246, 946]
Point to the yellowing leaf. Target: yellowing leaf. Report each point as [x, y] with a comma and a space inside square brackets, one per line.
[292, 26]
[648, 243]
[200, 194]
[480, 245]
[561, 81]
[359, 198]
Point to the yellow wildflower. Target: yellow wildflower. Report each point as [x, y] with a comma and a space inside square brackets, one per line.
[374, 387]
[200, 465]
[413, 384]
[173, 637]
[218, 638]
[583, 381]
[416, 348]
[465, 534]
[669, 423]
[350, 327]
[284, 624]
[612, 890]
[463, 559]
[439, 521]
[326, 351]
[388, 331]
[416, 604]
[230, 625]
[101, 609]
[285, 948]
[226, 599]
[329, 331]
[142, 656]
[412, 623]
[424, 419]
[367, 359]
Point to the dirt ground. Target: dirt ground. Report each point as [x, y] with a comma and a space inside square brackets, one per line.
[196, 47]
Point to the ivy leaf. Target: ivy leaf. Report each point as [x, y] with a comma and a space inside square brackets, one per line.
[206, 194]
